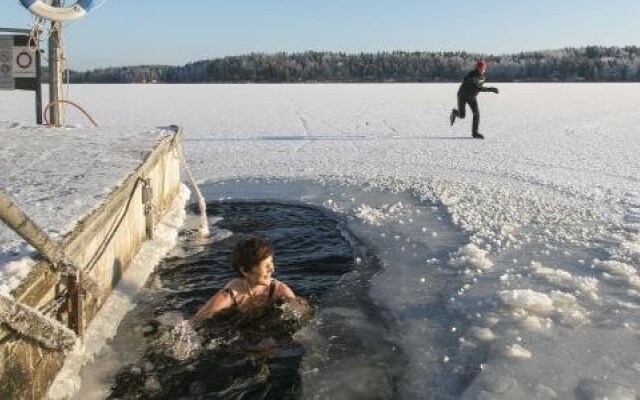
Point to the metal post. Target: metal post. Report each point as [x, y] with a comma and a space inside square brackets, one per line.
[147, 202]
[55, 70]
[38, 86]
[74, 305]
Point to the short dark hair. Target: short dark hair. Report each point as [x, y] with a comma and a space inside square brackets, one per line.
[248, 253]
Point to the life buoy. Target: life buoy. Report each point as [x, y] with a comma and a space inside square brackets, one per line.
[70, 13]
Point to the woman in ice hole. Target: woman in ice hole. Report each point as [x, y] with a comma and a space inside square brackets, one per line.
[252, 260]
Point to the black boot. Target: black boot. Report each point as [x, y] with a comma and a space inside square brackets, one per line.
[477, 135]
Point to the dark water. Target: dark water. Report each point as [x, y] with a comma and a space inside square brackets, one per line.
[267, 355]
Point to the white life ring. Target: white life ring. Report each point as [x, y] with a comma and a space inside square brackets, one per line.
[62, 14]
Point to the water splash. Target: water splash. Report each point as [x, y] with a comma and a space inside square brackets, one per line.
[183, 342]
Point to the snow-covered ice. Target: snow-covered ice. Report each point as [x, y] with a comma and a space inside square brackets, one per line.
[546, 279]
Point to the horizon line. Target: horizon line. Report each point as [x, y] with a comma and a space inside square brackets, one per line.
[268, 53]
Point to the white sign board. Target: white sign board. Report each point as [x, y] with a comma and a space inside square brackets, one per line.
[6, 63]
[24, 62]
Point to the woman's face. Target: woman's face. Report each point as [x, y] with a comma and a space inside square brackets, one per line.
[261, 273]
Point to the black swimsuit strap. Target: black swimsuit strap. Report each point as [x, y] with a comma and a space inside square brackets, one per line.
[272, 289]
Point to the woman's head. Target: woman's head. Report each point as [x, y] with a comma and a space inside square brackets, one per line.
[253, 259]
[481, 66]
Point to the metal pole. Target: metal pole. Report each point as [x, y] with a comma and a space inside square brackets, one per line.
[14, 30]
[38, 86]
[147, 202]
[55, 70]
[74, 305]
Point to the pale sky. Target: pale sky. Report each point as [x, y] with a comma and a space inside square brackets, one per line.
[131, 32]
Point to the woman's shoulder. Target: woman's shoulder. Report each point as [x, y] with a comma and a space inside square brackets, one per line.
[277, 285]
[233, 285]
[281, 289]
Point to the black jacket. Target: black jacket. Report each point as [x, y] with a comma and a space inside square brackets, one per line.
[472, 84]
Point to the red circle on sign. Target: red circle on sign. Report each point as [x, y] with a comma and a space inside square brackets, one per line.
[24, 60]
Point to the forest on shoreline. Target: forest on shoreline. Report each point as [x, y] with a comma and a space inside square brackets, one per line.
[590, 64]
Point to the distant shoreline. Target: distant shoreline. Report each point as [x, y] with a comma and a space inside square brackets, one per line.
[585, 64]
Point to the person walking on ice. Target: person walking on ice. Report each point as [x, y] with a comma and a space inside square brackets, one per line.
[472, 84]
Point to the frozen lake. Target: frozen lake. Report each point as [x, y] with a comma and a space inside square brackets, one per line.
[535, 230]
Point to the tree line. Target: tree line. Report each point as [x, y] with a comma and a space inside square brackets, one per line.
[591, 63]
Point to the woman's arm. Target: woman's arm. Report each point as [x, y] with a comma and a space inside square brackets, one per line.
[219, 302]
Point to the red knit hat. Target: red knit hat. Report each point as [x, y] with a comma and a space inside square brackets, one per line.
[481, 64]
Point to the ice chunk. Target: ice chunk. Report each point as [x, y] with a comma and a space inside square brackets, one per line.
[482, 334]
[518, 352]
[616, 268]
[471, 256]
[528, 300]
[532, 323]
[553, 275]
[561, 299]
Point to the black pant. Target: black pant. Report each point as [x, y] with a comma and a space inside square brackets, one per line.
[473, 104]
